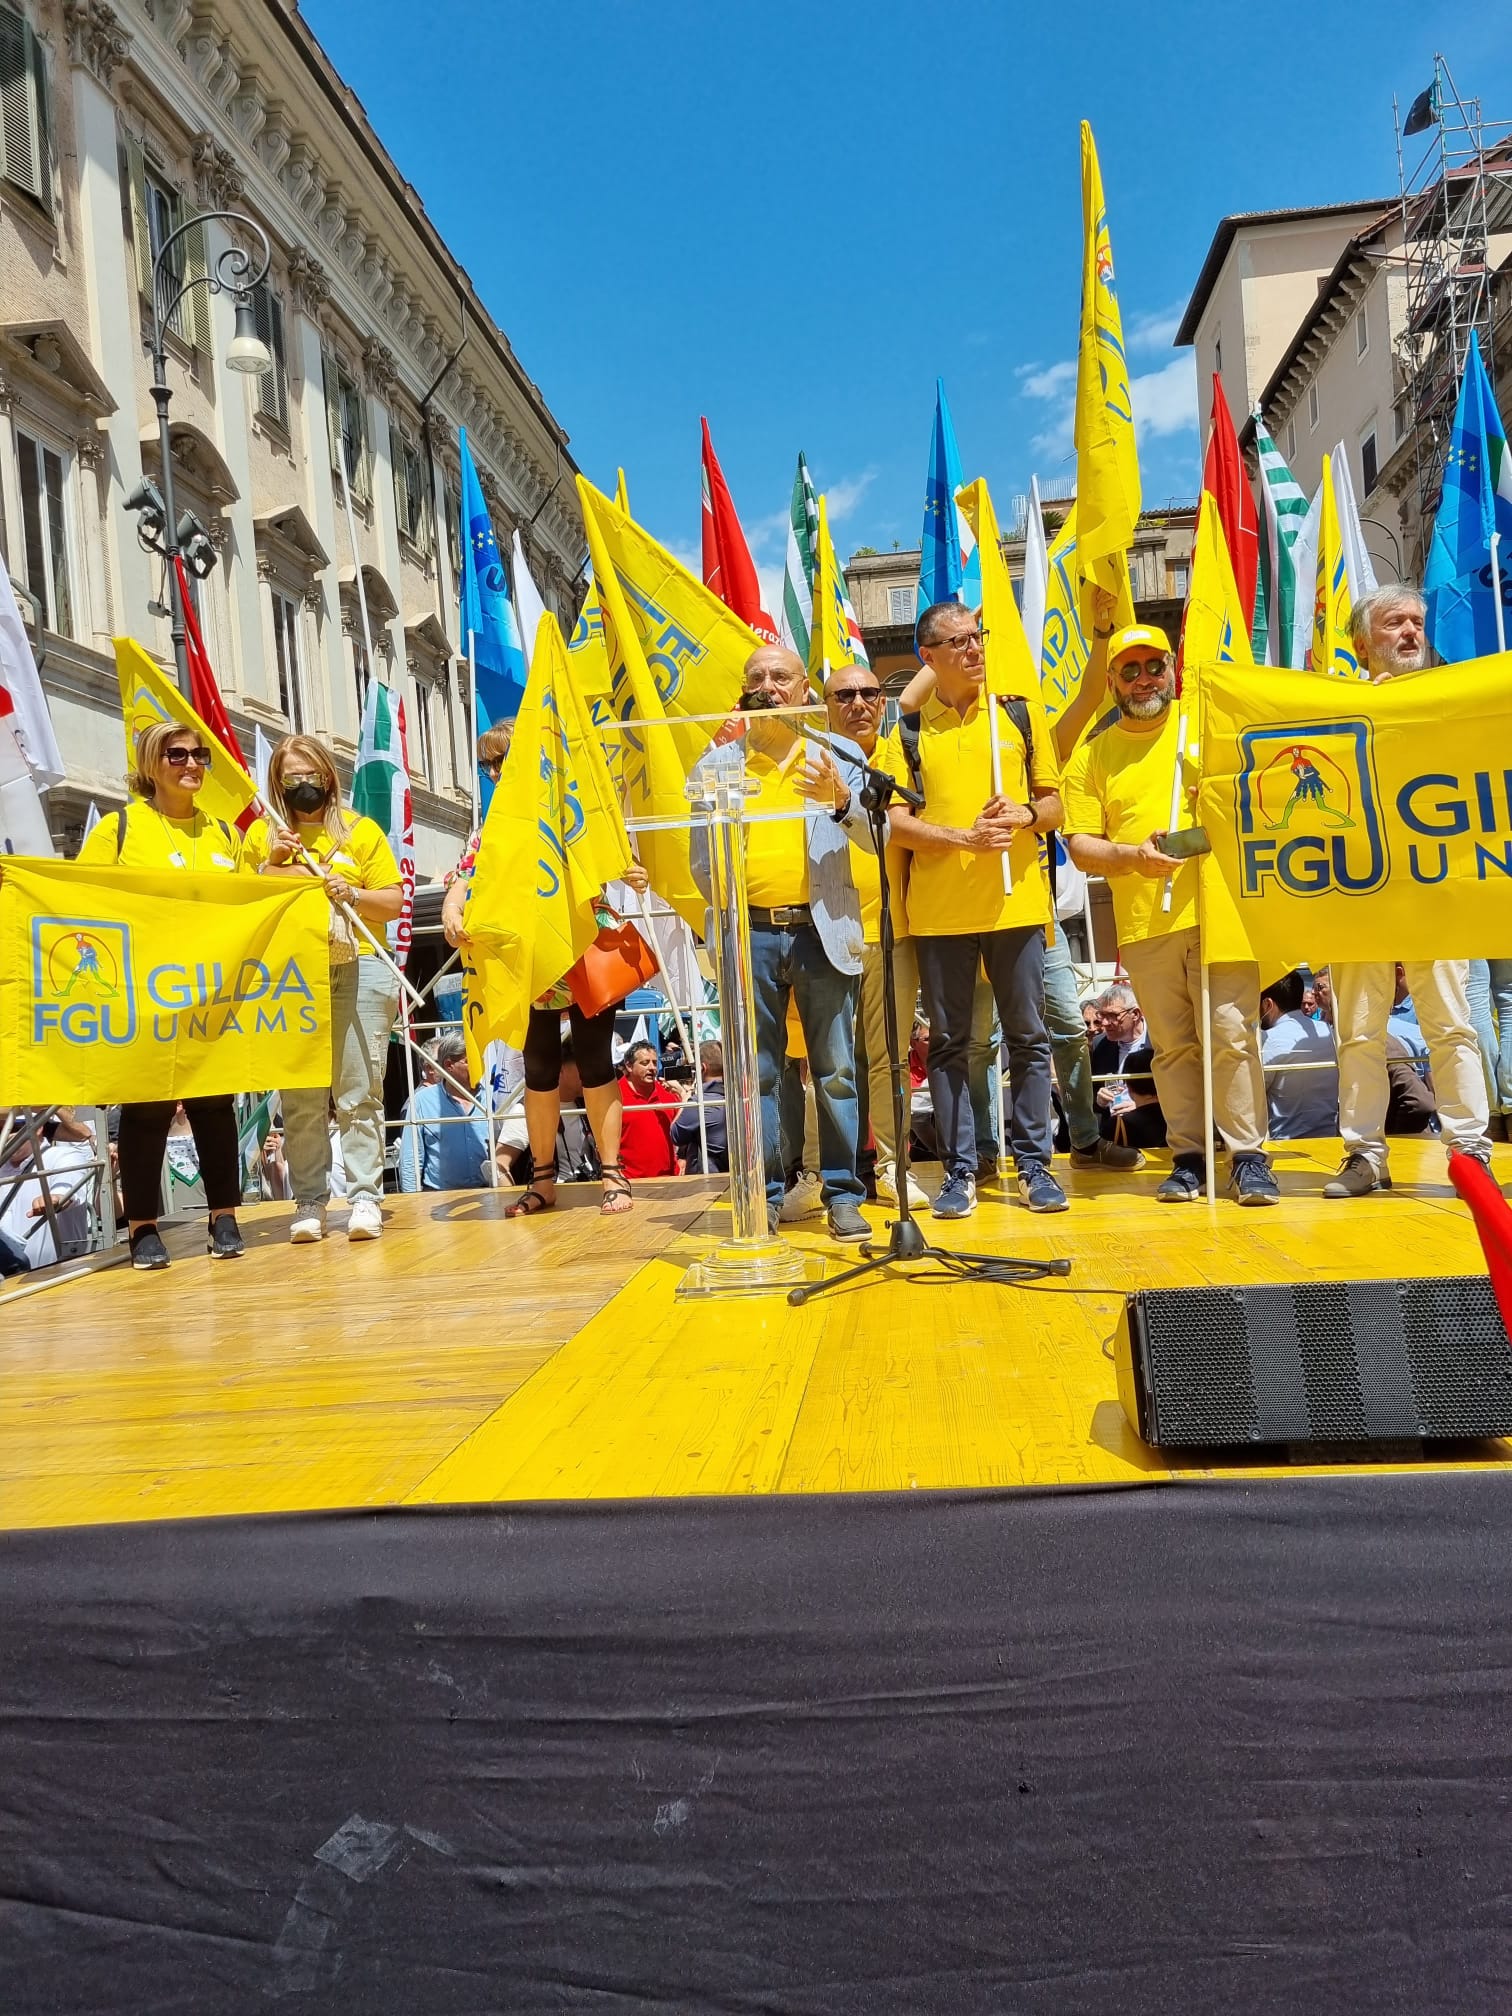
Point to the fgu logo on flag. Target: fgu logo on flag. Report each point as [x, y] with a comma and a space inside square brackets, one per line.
[82, 980]
[1308, 810]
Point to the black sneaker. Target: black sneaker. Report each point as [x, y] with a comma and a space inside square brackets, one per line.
[147, 1249]
[1186, 1182]
[225, 1242]
[1039, 1189]
[1253, 1181]
[846, 1222]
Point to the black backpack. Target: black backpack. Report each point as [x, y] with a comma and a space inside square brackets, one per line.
[1017, 710]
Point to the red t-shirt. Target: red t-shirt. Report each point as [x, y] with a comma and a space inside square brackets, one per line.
[646, 1132]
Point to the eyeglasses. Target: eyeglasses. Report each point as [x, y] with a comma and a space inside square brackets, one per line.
[855, 696]
[1115, 1014]
[180, 759]
[1148, 668]
[963, 641]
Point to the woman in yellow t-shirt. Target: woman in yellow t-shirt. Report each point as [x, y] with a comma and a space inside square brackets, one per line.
[165, 830]
[358, 870]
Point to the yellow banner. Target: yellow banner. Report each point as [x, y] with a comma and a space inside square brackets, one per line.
[1011, 666]
[116, 983]
[1107, 461]
[1356, 822]
[148, 695]
[1213, 627]
[553, 837]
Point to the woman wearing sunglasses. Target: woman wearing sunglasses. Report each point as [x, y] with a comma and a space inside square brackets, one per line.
[166, 830]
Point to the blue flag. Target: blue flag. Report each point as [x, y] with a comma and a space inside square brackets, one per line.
[1460, 583]
[950, 569]
[488, 617]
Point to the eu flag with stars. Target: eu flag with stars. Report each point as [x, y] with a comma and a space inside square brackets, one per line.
[488, 618]
[949, 567]
[1461, 582]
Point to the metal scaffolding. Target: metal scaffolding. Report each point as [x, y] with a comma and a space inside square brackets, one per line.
[1455, 199]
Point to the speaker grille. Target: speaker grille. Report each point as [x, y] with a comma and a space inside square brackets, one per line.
[1322, 1361]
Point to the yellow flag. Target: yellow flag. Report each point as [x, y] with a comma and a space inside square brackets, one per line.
[674, 650]
[1107, 462]
[621, 492]
[119, 983]
[148, 695]
[829, 635]
[1213, 630]
[1011, 665]
[553, 837]
[1332, 646]
[1066, 644]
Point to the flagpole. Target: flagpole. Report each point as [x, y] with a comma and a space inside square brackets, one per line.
[472, 727]
[1207, 1078]
[1178, 779]
[1501, 621]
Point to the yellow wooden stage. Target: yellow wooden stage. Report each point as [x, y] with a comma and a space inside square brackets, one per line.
[463, 1358]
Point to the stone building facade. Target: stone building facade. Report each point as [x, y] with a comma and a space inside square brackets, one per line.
[120, 124]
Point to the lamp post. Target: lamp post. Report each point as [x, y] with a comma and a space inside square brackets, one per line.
[233, 273]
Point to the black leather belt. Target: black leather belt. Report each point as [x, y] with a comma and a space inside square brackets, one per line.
[782, 916]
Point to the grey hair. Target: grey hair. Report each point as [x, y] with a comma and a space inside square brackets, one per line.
[1119, 995]
[1391, 596]
[450, 1048]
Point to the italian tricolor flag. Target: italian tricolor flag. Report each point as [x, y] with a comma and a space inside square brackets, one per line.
[381, 792]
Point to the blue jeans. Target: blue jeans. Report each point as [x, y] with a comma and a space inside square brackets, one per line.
[1490, 987]
[1068, 1045]
[790, 960]
[1015, 965]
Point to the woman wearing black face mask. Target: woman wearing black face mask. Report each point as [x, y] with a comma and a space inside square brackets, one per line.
[359, 870]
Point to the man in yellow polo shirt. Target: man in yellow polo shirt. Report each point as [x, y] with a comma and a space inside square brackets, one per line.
[1119, 791]
[964, 914]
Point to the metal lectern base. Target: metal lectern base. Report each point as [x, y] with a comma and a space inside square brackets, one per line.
[751, 1267]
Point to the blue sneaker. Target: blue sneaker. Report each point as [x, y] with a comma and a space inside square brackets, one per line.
[956, 1197]
[1039, 1189]
[1253, 1182]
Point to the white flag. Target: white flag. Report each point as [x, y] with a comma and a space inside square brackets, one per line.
[1357, 561]
[528, 606]
[1036, 573]
[91, 818]
[23, 823]
[1305, 567]
[262, 756]
[22, 702]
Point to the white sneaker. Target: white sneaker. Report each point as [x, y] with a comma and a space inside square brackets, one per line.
[366, 1221]
[804, 1200]
[887, 1188]
[308, 1228]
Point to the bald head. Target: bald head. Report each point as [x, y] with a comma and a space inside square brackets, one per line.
[773, 669]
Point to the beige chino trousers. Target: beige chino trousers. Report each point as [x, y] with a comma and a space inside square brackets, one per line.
[1362, 1002]
[1166, 974]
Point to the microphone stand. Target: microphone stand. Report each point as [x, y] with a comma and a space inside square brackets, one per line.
[907, 1244]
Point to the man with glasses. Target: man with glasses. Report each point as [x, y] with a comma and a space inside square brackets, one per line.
[963, 913]
[856, 701]
[1123, 1061]
[805, 916]
[1119, 789]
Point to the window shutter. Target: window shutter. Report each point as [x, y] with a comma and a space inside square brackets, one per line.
[136, 194]
[401, 479]
[332, 406]
[25, 142]
[194, 312]
[43, 114]
[272, 388]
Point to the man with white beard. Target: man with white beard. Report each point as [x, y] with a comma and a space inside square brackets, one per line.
[1390, 643]
[1117, 796]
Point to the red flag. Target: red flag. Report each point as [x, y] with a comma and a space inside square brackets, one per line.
[728, 568]
[1493, 1221]
[204, 694]
[1223, 475]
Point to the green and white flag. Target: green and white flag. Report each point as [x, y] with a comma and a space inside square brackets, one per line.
[796, 616]
[381, 792]
[1283, 513]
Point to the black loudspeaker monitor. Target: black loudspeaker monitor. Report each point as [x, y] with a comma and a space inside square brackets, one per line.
[1315, 1361]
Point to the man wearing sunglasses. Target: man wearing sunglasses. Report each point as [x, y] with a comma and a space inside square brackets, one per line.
[962, 913]
[1119, 788]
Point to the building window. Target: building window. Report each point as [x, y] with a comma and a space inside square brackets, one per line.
[1291, 440]
[286, 654]
[346, 418]
[411, 488]
[272, 386]
[1369, 467]
[901, 605]
[1176, 580]
[1401, 416]
[451, 504]
[1312, 406]
[451, 724]
[362, 672]
[423, 731]
[152, 211]
[25, 113]
[1362, 333]
[44, 530]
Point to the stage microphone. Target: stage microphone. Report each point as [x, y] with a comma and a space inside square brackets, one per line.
[880, 780]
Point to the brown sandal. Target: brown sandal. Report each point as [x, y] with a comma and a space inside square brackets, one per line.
[616, 1185]
[531, 1203]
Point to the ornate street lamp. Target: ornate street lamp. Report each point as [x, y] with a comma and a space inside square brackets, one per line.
[235, 272]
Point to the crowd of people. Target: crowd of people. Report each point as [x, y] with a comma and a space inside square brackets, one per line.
[983, 866]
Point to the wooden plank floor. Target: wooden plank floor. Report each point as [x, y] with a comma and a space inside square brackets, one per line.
[463, 1358]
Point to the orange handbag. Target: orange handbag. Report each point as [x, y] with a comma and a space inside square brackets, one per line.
[617, 962]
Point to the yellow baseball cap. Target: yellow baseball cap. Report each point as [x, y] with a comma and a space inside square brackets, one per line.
[1138, 637]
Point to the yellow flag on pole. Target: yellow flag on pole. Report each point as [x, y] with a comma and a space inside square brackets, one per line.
[148, 695]
[621, 492]
[829, 635]
[674, 650]
[1213, 630]
[1011, 666]
[553, 837]
[1332, 645]
[1066, 644]
[1107, 461]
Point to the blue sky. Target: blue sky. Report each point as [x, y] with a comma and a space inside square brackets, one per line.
[792, 217]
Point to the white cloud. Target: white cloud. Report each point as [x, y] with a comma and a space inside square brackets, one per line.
[1157, 329]
[763, 533]
[771, 591]
[842, 498]
[1047, 381]
[1165, 401]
